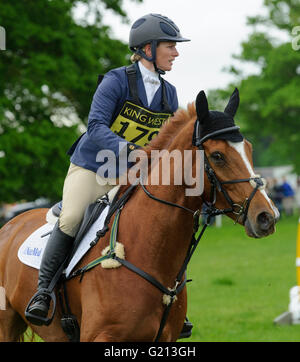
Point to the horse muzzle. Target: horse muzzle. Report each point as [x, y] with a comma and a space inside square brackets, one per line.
[263, 225]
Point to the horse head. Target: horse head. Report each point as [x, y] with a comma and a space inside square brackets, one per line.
[234, 186]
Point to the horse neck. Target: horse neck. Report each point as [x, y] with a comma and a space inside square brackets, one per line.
[167, 229]
[162, 234]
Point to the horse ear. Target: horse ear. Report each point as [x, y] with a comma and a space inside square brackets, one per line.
[201, 106]
[233, 103]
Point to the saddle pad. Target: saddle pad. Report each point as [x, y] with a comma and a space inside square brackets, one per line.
[32, 249]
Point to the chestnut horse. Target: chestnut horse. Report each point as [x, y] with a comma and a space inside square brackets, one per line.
[117, 304]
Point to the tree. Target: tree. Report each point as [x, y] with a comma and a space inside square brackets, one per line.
[48, 75]
[270, 101]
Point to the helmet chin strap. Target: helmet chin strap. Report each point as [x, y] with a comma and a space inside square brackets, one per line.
[152, 58]
[159, 71]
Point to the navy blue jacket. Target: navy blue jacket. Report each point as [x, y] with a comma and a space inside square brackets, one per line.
[107, 102]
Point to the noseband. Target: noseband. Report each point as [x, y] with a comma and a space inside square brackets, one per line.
[257, 182]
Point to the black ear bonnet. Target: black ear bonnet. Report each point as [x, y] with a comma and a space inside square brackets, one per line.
[214, 124]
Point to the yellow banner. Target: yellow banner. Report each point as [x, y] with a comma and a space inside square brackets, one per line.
[137, 124]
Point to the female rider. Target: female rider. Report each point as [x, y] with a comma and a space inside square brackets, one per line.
[112, 125]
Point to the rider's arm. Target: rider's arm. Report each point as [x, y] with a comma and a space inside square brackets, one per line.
[106, 105]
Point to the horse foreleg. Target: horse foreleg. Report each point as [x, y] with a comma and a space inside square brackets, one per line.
[12, 325]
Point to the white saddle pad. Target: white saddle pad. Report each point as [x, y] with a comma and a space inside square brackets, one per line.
[32, 249]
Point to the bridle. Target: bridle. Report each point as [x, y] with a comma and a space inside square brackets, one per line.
[257, 181]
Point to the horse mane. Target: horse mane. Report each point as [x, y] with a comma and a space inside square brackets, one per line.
[171, 128]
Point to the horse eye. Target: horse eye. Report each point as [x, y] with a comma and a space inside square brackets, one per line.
[217, 156]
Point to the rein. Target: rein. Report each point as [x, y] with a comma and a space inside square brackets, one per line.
[216, 185]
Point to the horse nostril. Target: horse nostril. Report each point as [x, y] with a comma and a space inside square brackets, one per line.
[265, 221]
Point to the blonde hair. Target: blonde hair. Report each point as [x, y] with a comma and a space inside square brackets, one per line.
[135, 58]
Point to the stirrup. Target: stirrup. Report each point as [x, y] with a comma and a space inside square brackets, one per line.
[186, 330]
[38, 320]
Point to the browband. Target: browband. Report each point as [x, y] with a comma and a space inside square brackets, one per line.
[199, 141]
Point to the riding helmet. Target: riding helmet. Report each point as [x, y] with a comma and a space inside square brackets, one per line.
[153, 28]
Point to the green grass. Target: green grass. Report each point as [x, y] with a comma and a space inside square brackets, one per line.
[240, 284]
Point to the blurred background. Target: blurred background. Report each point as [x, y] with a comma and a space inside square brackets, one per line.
[56, 49]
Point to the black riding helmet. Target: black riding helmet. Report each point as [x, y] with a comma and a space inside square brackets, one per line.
[153, 28]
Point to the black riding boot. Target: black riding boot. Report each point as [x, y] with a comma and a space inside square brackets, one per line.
[56, 252]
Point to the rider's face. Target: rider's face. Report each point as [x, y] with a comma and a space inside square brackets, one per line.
[166, 53]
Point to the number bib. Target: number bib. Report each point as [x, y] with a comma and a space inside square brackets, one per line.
[137, 124]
